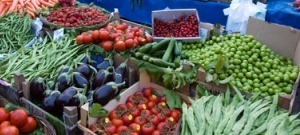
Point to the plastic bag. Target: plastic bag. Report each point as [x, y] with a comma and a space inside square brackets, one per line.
[239, 13]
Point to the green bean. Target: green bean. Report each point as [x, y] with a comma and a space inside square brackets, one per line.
[274, 123]
[191, 121]
[240, 124]
[282, 128]
[185, 112]
[208, 109]
[294, 124]
[222, 124]
[233, 119]
[217, 111]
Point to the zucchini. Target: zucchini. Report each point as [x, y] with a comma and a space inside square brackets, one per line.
[169, 50]
[139, 55]
[160, 45]
[177, 61]
[171, 59]
[147, 47]
[161, 63]
[158, 54]
[177, 48]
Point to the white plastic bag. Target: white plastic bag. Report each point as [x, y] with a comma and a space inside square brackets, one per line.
[239, 13]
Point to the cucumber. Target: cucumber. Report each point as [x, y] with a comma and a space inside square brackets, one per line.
[169, 50]
[146, 58]
[171, 59]
[147, 47]
[158, 54]
[139, 55]
[160, 45]
[177, 48]
[177, 61]
[161, 63]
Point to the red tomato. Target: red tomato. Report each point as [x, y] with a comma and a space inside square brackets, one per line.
[87, 38]
[144, 100]
[135, 29]
[145, 113]
[104, 35]
[125, 25]
[117, 122]
[148, 129]
[140, 120]
[109, 28]
[130, 105]
[30, 126]
[135, 127]
[167, 112]
[120, 46]
[96, 35]
[155, 110]
[3, 114]
[129, 36]
[162, 125]
[107, 46]
[148, 92]
[149, 39]
[4, 123]
[122, 129]
[162, 105]
[9, 130]
[121, 107]
[120, 27]
[161, 117]
[93, 128]
[130, 99]
[153, 98]
[79, 39]
[163, 99]
[134, 133]
[150, 105]
[178, 111]
[139, 94]
[111, 129]
[113, 114]
[142, 41]
[142, 107]
[156, 132]
[175, 115]
[129, 43]
[135, 112]
[18, 118]
[127, 119]
[136, 42]
[154, 119]
[170, 120]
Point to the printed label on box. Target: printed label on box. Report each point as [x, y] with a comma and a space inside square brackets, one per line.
[203, 33]
[58, 34]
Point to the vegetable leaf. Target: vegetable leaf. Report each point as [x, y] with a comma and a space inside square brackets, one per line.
[173, 99]
[228, 79]
[209, 77]
[97, 111]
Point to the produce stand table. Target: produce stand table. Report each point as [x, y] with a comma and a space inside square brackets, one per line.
[278, 11]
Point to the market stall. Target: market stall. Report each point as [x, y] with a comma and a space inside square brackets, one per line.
[135, 68]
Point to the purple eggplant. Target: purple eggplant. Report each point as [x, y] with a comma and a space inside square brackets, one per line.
[37, 89]
[65, 69]
[122, 68]
[48, 103]
[80, 81]
[100, 78]
[118, 80]
[86, 59]
[105, 93]
[72, 96]
[85, 70]
[107, 62]
[110, 77]
[64, 81]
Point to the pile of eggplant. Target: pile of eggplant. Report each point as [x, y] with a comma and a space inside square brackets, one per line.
[76, 87]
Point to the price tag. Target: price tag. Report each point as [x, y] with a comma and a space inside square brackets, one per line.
[58, 34]
[203, 33]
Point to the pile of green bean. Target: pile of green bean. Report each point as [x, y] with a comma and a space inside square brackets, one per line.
[14, 32]
[223, 115]
[43, 59]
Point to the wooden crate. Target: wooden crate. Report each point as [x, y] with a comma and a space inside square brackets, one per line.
[145, 81]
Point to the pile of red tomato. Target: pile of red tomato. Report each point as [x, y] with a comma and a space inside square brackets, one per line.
[143, 114]
[16, 122]
[116, 36]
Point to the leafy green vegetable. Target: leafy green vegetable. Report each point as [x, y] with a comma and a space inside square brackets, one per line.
[97, 111]
[173, 99]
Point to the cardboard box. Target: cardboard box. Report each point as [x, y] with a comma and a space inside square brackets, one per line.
[168, 15]
[145, 81]
[283, 40]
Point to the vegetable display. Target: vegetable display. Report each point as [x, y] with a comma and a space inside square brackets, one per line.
[183, 26]
[30, 7]
[14, 32]
[38, 61]
[116, 36]
[244, 62]
[16, 121]
[144, 113]
[224, 114]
